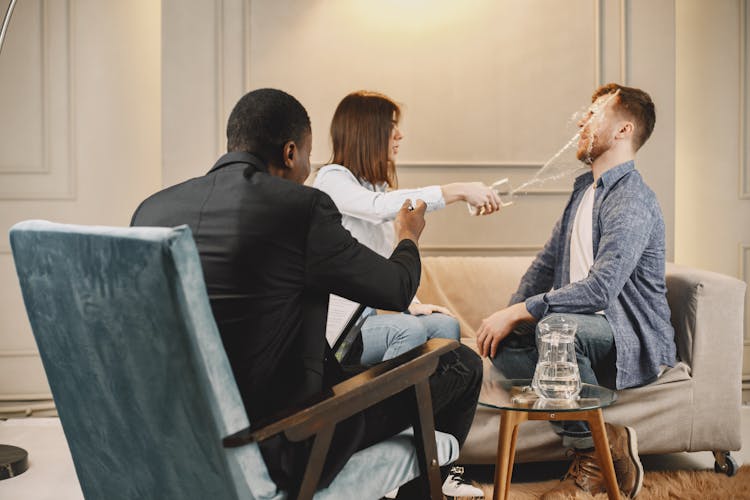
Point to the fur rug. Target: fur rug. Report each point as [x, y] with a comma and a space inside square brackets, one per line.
[657, 485]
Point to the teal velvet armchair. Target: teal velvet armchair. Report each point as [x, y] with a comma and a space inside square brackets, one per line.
[146, 395]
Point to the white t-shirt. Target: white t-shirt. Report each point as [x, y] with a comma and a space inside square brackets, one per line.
[368, 211]
[581, 238]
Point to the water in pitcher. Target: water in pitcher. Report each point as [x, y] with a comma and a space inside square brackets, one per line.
[556, 375]
[558, 380]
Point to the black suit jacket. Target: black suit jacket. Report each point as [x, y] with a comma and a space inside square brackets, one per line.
[272, 251]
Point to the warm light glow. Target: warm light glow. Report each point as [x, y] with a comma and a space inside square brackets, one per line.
[414, 16]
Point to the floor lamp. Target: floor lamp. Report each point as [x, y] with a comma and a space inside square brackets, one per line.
[13, 460]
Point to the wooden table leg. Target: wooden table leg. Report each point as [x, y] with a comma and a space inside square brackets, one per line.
[512, 456]
[601, 444]
[506, 448]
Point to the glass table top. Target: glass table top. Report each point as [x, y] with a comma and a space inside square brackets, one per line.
[517, 395]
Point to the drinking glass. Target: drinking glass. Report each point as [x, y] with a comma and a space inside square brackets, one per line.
[504, 192]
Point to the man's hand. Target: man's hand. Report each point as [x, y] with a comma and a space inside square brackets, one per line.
[418, 309]
[498, 325]
[409, 222]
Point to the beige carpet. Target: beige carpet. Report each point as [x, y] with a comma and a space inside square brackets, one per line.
[682, 485]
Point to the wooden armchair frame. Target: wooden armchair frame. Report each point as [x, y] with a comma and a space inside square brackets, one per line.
[409, 371]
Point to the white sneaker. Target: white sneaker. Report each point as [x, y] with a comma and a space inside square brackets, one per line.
[456, 486]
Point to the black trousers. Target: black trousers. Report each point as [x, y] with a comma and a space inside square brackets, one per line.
[455, 389]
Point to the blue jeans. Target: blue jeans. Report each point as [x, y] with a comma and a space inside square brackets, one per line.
[385, 336]
[596, 355]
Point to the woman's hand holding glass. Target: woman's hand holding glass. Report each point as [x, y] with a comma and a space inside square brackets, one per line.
[483, 199]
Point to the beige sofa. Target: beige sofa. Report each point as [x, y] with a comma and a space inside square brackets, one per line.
[693, 406]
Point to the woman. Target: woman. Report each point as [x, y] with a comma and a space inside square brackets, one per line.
[361, 180]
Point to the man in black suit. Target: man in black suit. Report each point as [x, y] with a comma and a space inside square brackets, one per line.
[272, 251]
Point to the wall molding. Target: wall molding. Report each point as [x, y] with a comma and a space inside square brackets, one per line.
[42, 168]
[471, 163]
[53, 164]
[455, 165]
[516, 248]
[19, 353]
[624, 42]
[600, 45]
[531, 165]
[480, 250]
[246, 41]
[246, 6]
[598, 42]
[745, 276]
[225, 48]
[38, 396]
[219, 70]
[743, 174]
[489, 164]
[11, 397]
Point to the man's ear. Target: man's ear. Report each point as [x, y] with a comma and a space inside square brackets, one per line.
[625, 130]
[289, 154]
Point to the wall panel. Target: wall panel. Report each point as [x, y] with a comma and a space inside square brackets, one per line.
[206, 61]
[745, 276]
[744, 107]
[486, 81]
[80, 138]
[711, 100]
[37, 162]
[453, 231]
[481, 83]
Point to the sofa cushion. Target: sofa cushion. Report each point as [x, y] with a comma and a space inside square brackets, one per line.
[471, 287]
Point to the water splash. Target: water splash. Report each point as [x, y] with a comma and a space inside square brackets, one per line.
[553, 169]
[561, 164]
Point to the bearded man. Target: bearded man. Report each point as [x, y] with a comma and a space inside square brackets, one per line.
[604, 268]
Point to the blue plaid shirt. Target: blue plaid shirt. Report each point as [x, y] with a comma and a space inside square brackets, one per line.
[626, 281]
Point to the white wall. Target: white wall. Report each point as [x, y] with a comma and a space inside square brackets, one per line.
[488, 88]
[80, 137]
[713, 175]
[104, 102]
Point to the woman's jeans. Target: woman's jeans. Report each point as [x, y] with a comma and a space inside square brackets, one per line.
[596, 355]
[385, 336]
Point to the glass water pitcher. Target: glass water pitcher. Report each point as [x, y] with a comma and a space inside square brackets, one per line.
[556, 375]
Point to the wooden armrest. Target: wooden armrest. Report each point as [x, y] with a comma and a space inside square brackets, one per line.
[353, 395]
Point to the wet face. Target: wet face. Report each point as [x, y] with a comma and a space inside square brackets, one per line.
[597, 130]
[393, 141]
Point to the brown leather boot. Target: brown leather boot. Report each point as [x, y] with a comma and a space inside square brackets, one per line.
[584, 476]
[623, 444]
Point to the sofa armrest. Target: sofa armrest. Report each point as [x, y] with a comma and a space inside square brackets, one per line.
[708, 317]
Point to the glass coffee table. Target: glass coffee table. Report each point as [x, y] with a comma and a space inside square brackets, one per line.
[518, 403]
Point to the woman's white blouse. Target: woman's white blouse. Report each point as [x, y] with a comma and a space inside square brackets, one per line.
[368, 211]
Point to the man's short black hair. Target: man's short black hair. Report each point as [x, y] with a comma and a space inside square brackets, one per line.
[263, 121]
